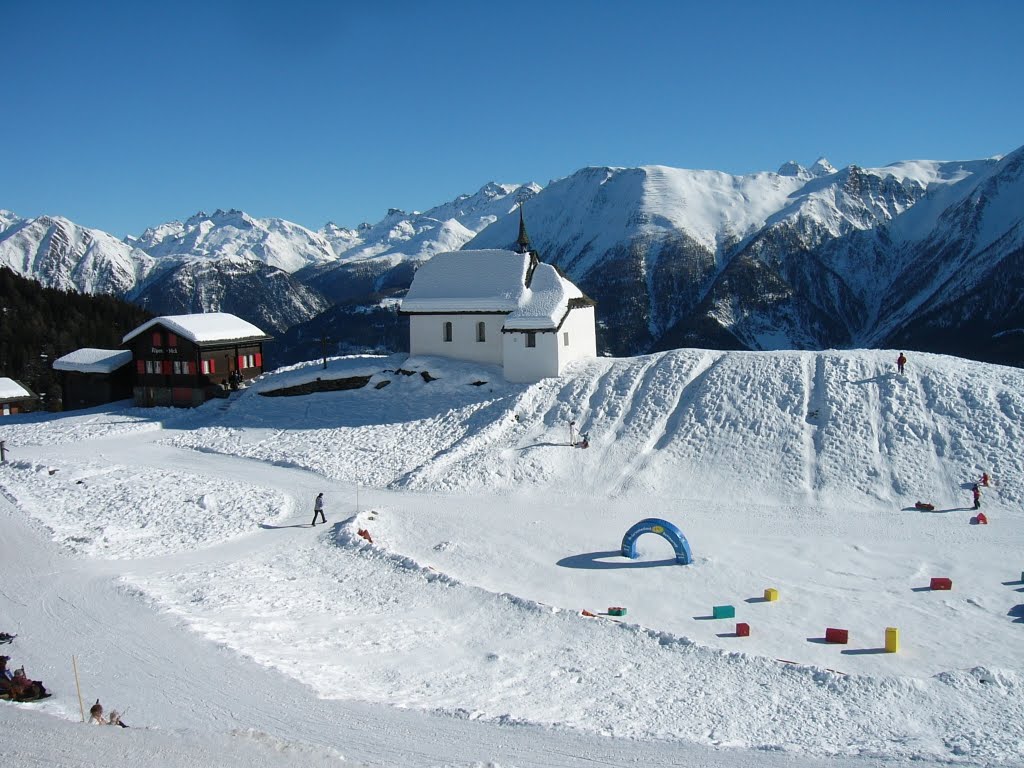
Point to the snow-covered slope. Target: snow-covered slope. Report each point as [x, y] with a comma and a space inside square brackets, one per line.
[193, 590]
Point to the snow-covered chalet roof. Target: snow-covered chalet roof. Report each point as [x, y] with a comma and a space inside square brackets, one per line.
[491, 281]
[12, 390]
[203, 327]
[89, 360]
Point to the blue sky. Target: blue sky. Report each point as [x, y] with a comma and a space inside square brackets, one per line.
[124, 115]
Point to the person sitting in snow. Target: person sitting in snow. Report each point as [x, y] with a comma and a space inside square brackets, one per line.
[96, 714]
[21, 688]
[984, 479]
[115, 719]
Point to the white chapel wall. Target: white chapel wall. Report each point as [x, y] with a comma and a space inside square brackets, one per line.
[581, 330]
[528, 364]
[426, 337]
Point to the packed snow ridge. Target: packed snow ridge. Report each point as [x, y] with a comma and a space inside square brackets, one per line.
[172, 552]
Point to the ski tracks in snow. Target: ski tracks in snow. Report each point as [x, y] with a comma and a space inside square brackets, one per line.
[939, 438]
[652, 421]
[815, 412]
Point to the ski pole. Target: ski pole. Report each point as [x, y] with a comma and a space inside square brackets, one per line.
[81, 706]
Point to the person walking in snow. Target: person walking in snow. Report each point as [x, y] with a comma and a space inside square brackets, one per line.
[900, 362]
[976, 492]
[984, 479]
[318, 509]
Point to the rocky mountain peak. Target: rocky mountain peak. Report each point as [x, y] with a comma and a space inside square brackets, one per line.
[793, 169]
[822, 167]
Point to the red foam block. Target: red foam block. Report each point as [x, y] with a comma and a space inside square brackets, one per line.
[742, 629]
[941, 583]
[833, 635]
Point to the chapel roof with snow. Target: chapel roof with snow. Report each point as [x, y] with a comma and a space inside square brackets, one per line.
[534, 295]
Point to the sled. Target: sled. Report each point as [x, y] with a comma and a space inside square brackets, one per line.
[24, 698]
[925, 506]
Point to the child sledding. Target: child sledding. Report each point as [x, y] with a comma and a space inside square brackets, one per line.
[975, 489]
[17, 686]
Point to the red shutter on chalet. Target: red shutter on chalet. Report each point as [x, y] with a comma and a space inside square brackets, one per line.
[259, 359]
[241, 362]
[156, 338]
[213, 365]
[172, 340]
[140, 366]
[166, 367]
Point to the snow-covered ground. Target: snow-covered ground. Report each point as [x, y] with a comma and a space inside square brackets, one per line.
[171, 553]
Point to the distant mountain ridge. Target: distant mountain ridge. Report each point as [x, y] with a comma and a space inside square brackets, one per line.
[920, 254]
[382, 257]
[222, 234]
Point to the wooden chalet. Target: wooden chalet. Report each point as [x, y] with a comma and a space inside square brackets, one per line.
[16, 398]
[184, 360]
[90, 377]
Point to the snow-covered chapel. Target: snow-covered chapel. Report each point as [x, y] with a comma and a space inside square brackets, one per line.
[498, 306]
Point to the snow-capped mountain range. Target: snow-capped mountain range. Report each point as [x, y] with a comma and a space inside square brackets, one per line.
[224, 234]
[917, 253]
[801, 258]
[231, 261]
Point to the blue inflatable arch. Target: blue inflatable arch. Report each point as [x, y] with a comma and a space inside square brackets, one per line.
[662, 528]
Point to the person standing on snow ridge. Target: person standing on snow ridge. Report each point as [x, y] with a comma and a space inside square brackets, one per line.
[318, 509]
[900, 362]
[976, 492]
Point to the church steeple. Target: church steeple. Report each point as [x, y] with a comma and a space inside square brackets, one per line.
[523, 245]
[523, 241]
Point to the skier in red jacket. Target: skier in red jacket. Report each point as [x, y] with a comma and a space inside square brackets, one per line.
[900, 362]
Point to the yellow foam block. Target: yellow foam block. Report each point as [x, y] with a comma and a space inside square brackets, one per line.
[771, 595]
[892, 639]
